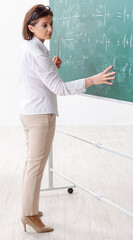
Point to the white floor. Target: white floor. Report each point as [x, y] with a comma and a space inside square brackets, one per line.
[79, 215]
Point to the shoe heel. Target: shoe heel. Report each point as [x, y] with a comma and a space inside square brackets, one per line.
[24, 223]
[24, 227]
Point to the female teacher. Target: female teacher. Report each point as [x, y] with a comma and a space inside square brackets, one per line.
[40, 83]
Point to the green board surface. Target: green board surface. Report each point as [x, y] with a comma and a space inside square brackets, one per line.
[94, 34]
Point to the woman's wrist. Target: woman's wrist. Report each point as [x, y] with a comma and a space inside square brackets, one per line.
[89, 81]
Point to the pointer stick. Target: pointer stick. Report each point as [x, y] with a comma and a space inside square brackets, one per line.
[58, 46]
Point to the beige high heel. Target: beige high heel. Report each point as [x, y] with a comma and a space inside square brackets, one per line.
[26, 220]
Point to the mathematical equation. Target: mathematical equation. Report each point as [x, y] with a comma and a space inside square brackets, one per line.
[101, 14]
[124, 42]
[105, 15]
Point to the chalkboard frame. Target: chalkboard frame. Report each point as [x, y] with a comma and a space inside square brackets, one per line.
[107, 99]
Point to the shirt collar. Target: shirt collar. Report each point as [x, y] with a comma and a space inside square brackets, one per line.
[35, 39]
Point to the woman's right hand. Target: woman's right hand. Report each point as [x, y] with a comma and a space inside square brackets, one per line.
[57, 61]
[101, 78]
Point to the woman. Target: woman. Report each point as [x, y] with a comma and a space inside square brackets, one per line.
[40, 83]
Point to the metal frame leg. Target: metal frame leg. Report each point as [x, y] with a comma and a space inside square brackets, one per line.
[50, 176]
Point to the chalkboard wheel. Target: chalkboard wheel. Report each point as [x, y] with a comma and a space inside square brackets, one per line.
[70, 190]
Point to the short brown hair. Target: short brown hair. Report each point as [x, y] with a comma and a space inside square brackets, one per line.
[31, 17]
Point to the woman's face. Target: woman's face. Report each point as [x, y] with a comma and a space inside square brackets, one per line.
[43, 28]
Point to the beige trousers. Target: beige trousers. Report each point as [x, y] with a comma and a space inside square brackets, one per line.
[39, 131]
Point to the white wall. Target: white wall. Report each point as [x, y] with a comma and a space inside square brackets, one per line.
[75, 110]
[11, 19]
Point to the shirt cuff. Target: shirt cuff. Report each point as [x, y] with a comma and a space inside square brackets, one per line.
[80, 85]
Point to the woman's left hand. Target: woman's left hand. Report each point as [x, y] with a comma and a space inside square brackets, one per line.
[57, 61]
[101, 78]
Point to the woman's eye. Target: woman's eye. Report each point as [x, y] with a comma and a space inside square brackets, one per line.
[45, 25]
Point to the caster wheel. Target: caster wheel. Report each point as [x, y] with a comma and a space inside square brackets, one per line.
[70, 190]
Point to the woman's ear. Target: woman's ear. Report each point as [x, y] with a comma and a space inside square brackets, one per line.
[31, 28]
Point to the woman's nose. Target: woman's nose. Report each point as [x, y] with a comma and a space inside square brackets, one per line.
[50, 29]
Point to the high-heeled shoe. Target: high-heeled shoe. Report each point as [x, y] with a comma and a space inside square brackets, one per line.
[26, 220]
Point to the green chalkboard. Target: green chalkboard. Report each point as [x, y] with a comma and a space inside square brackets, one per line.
[94, 34]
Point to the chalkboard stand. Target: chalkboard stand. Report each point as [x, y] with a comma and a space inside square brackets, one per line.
[70, 188]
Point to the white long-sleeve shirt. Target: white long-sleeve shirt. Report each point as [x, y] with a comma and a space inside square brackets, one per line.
[40, 82]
